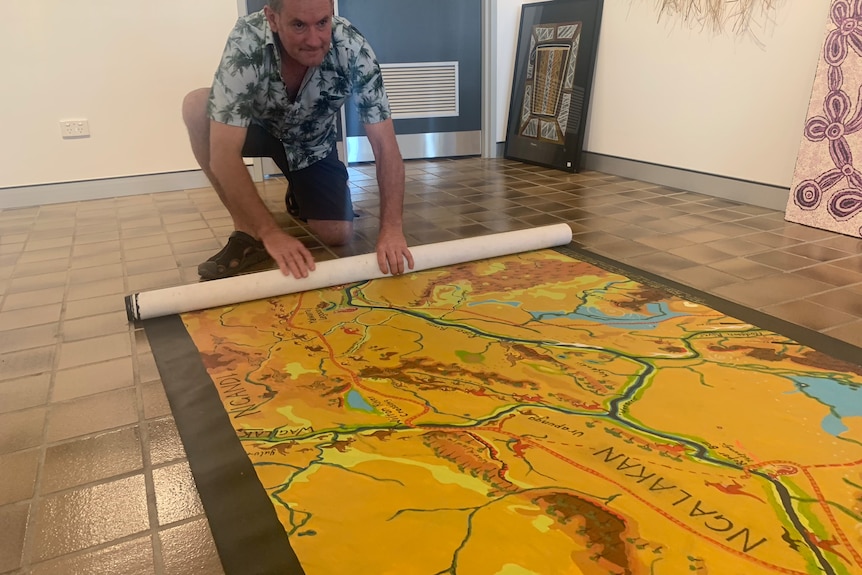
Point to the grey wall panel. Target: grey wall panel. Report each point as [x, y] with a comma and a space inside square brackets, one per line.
[422, 31]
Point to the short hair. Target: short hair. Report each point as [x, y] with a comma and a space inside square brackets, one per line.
[276, 5]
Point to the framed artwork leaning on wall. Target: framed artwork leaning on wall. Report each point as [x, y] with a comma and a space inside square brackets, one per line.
[551, 86]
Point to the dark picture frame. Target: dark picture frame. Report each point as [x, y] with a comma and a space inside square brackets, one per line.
[552, 83]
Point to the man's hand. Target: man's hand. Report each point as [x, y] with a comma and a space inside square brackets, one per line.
[392, 251]
[292, 257]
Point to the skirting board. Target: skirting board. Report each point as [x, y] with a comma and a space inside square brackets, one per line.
[753, 193]
[763, 195]
[416, 146]
[43, 194]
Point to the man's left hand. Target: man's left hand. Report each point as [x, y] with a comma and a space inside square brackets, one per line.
[392, 252]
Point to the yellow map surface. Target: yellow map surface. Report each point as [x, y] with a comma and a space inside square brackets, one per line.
[537, 414]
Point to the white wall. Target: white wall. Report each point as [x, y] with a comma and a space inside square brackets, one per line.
[123, 65]
[662, 94]
[716, 104]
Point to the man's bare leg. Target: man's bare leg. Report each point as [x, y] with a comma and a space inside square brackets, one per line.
[198, 125]
[332, 232]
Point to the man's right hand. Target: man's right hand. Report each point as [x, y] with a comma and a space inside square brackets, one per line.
[291, 256]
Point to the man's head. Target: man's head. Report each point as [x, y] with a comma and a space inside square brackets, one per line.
[303, 26]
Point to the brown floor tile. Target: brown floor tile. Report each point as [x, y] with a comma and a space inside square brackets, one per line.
[155, 400]
[164, 445]
[144, 242]
[737, 247]
[113, 286]
[43, 314]
[95, 306]
[664, 242]
[24, 393]
[699, 236]
[831, 274]
[79, 519]
[19, 475]
[844, 299]
[29, 337]
[21, 429]
[90, 460]
[93, 378]
[153, 280]
[147, 370]
[29, 257]
[91, 274]
[816, 252]
[809, 314]
[40, 268]
[98, 248]
[660, 263]
[847, 244]
[782, 260]
[622, 248]
[850, 333]
[95, 326]
[744, 269]
[26, 362]
[133, 557]
[763, 292]
[36, 298]
[94, 350]
[84, 262]
[38, 282]
[13, 526]
[176, 493]
[149, 252]
[189, 548]
[700, 254]
[91, 414]
[702, 277]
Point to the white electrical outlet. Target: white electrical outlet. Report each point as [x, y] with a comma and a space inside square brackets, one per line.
[74, 128]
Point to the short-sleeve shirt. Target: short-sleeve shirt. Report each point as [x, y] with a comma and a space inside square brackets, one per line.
[248, 88]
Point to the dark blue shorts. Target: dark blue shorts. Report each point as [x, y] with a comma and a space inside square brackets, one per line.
[320, 191]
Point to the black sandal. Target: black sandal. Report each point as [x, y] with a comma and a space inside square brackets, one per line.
[240, 253]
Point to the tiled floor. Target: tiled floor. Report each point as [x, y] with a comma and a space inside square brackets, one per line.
[93, 478]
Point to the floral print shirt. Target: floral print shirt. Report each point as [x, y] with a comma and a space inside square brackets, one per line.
[248, 88]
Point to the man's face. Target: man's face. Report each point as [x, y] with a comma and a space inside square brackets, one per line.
[304, 28]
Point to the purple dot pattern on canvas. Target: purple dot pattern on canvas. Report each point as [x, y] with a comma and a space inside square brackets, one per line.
[837, 122]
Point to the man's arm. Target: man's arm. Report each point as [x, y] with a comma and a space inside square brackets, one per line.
[245, 205]
[391, 245]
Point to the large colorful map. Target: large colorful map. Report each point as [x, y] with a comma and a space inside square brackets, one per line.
[538, 414]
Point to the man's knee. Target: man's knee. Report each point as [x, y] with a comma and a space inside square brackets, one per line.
[332, 232]
[195, 107]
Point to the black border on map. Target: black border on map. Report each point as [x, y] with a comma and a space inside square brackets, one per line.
[246, 530]
[249, 537]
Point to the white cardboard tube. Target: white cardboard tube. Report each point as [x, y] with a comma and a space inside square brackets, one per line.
[248, 287]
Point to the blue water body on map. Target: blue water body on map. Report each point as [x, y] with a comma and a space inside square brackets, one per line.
[656, 313]
[844, 400]
[487, 301]
[356, 401]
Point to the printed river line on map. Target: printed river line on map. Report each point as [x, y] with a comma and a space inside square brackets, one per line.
[656, 313]
[843, 400]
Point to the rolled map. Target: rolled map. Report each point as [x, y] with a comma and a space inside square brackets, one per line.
[261, 285]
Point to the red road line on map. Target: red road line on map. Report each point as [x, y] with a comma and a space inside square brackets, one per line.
[642, 500]
[828, 510]
[357, 381]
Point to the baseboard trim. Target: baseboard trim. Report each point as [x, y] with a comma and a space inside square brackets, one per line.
[43, 194]
[763, 195]
[746, 192]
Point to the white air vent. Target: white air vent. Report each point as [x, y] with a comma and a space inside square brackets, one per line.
[421, 89]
